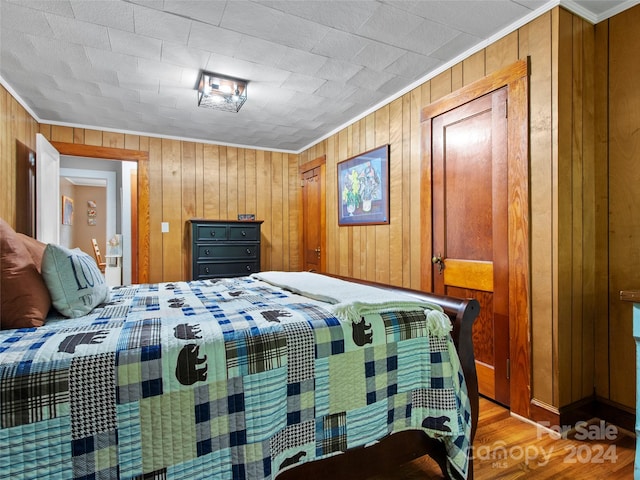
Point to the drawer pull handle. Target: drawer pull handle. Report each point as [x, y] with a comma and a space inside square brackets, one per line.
[207, 252]
[206, 269]
[244, 234]
[248, 251]
[248, 268]
[213, 233]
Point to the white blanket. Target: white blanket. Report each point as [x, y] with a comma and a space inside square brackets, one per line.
[352, 301]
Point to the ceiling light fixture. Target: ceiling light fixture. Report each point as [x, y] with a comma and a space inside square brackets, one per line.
[221, 92]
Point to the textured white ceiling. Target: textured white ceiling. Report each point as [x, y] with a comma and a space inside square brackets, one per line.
[313, 66]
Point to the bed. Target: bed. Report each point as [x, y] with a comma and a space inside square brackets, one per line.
[275, 375]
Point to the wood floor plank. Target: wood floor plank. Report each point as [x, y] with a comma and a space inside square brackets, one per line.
[507, 448]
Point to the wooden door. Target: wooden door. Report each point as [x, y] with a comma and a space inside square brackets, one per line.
[313, 213]
[470, 231]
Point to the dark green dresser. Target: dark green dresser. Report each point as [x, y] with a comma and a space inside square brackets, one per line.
[224, 248]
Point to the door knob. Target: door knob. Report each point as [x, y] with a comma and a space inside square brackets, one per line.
[437, 260]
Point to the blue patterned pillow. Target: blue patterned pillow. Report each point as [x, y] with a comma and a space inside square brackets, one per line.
[74, 280]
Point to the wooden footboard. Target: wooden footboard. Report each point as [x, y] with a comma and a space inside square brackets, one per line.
[364, 462]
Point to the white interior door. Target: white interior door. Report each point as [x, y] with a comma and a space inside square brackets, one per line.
[47, 191]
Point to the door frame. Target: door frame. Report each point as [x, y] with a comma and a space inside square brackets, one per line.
[315, 163]
[142, 158]
[516, 78]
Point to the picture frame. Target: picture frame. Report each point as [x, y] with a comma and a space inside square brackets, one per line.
[363, 188]
[67, 210]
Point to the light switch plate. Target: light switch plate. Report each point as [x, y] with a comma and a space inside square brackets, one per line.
[165, 227]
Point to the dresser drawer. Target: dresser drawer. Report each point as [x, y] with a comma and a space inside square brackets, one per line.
[227, 251]
[210, 232]
[227, 269]
[244, 232]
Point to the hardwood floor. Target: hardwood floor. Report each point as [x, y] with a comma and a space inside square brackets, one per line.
[507, 448]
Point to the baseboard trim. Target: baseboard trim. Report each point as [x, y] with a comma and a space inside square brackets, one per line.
[541, 412]
[583, 410]
[619, 415]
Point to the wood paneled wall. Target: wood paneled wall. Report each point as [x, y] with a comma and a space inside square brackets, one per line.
[560, 48]
[189, 179]
[620, 40]
[573, 196]
[16, 125]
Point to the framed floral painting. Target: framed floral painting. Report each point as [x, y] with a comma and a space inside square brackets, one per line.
[363, 188]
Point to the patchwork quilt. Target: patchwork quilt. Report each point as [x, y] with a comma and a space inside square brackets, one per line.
[219, 379]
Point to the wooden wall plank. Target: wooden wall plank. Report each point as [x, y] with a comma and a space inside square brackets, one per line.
[263, 212]
[222, 185]
[502, 53]
[45, 130]
[284, 201]
[369, 240]
[418, 100]
[562, 187]
[131, 142]
[211, 181]
[577, 207]
[535, 43]
[357, 254]
[276, 215]
[232, 201]
[172, 210]
[188, 200]
[601, 219]
[78, 136]
[474, 67]
[441, 85]
[590, 180]
[457, 76]
[344, 239]
[199, 180]
[293, 245]
[242, 182]
[113, 139]
[61, 134]
[407, 240]
[156, 217]
[93, 137]
[383, 249]
[331, 190]
[397, 213]
[250, 180]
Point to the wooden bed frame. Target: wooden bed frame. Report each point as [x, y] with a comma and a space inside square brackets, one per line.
[402, 447]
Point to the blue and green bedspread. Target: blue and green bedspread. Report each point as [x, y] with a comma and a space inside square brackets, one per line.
[218, 379]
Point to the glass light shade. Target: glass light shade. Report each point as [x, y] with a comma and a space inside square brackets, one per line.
[221, 92]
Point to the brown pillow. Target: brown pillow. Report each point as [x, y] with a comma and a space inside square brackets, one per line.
[24, 298]
[35, 248]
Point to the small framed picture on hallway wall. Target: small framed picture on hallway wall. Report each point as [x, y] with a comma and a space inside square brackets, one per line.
[67, 210]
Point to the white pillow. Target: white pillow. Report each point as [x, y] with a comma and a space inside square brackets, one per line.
[74, 280]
